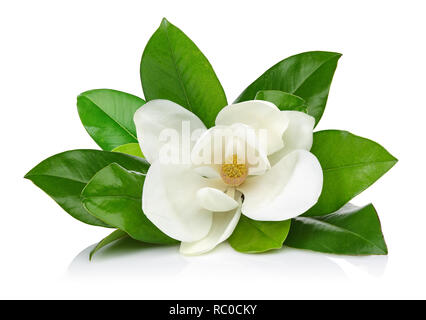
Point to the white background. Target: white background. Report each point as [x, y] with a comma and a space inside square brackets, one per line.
[53, 50]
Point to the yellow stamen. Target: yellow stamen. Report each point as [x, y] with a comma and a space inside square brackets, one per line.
[234, 173]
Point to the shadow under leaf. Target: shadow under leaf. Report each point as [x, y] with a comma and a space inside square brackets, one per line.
[125, 246]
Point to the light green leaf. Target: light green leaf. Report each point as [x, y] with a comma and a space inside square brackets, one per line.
[114, 195]
[64, 175]
[350, 163]
[173, 68]
[307, 75]
[251, 236]
[130, 148]
[114, 236]
[107, 116]
[351, 230]
[283, 100]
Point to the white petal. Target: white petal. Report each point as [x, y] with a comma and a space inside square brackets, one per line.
[208, 171]
[213, 199]
[157, 115]
[222, 227]
[259, 115]
[168, 201]
[299, 134]
[209, 148]
[218, 144]
[248, 146]
[286, 191]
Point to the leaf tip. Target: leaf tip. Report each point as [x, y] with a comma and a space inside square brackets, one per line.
[338, 55]
[29, 174]
[91, 254]
[85, 93]
[164, 22]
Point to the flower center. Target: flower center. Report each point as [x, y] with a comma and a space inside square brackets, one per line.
[234, 173]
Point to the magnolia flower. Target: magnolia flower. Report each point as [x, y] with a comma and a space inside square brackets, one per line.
[198, 197]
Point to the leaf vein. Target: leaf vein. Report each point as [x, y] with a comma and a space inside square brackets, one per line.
[341, 229]
[177, 71]
[52, 176]
[310, 74]
[356, 165]
[113, 120]
[264, 233]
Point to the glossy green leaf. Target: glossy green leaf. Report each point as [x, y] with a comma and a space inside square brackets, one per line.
[114, 236]
[130, 148]
[307, 75]
[251, 236]
[351, 230]
[283, 100]
[64, 175]
[350, 164]
[114, 195]
[173, 68]
[107, 116]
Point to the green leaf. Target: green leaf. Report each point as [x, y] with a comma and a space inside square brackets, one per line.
[107, 116]
[307, 75]
[64, 175]
[114, 195]
[114, 236]
[251, 236]
[130, 148]
[283, 100]
[173, 68]
[350, 164]
[351, 230]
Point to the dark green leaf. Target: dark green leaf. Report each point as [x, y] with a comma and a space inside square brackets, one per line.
[351, 230]
[63, 177]
[251, 236]
[130, 148]
[114, 195]
[107, 116]
[307, 75]
[283, 100]
[114, 236]
[350, 164]
[173, 68]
